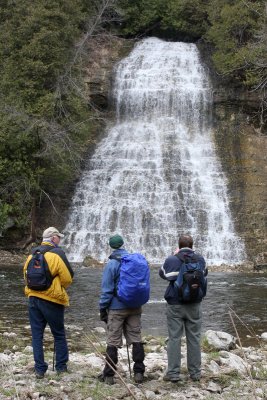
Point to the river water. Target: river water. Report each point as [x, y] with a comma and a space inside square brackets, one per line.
[246, 294]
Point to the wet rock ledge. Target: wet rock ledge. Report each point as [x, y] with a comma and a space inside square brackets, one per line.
[19, 258]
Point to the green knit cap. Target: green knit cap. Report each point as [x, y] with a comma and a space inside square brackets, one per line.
[116, 241]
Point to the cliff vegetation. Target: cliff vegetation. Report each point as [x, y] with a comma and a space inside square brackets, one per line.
[50, 115]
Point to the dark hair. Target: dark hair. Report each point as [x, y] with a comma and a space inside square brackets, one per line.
[185, 241]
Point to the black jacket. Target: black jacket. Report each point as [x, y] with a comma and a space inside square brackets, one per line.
[170, 270]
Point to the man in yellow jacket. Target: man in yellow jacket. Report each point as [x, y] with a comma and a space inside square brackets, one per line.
[47, 306]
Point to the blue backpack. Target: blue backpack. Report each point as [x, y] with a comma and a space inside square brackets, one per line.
[191, 281]
[133, 287]
[38, 277]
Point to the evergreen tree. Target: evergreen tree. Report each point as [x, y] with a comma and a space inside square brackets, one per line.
[39, 116]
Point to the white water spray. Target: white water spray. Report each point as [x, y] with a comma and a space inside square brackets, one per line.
[156, 174]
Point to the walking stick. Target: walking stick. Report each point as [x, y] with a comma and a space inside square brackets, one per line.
[54, 357]
[129, 361]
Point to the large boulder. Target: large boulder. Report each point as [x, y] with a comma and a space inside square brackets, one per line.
[234, 362]
[220, 340]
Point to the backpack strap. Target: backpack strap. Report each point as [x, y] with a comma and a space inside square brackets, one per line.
[117, 258]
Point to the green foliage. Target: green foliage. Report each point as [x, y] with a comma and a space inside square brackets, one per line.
[36, 39]
[234, 31]
[139, 16]
[43, 116]
[5, 209]
[188, 17]
[180, 18]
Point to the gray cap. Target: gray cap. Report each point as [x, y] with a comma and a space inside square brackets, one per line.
[51, 231]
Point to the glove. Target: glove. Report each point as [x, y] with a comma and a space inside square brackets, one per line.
[103, 315]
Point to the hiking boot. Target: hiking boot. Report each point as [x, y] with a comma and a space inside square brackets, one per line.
[101, 377]
[195, 378]
[109, 380]
[62, 371]
[172, 379]
[39, 375]
[138, 377]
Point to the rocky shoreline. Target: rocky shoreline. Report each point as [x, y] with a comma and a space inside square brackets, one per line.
[19, 258]
[229, 371]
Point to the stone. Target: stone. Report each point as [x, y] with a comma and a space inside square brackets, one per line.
[100, 330]
[214, 367]
[9, 334]
[94, 361]
[28, 349]
[91, 262]
[4, 358]
[220, 340]
[21, 383]
[264, 336]
[254, 357]
[177, 396]
[214, 387]
[54, 383]
[156, 362]
[150, 395]
[234, 362]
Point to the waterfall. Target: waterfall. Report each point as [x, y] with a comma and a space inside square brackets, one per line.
[156, 174]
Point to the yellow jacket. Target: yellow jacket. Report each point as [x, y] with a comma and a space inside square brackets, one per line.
[61, 271]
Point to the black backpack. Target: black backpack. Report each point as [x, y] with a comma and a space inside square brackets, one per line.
[38, 276]
[191, 281]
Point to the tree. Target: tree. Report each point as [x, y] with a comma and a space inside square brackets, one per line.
[238, 33]
[42, 128]
[184, 19]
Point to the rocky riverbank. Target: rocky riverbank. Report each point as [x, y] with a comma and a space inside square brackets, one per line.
[18, 258]
[12, 258]
[229, 371]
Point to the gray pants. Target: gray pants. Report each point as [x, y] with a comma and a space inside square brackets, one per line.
[180, 318]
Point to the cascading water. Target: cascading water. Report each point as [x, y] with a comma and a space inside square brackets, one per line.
[156, 174]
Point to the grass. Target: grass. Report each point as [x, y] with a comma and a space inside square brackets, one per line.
[213, 355]
[259, 372]
[7, 342]
[10, 392]
[226, 379]
[206, 346]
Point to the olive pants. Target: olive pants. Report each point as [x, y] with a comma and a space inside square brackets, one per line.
[125, 322]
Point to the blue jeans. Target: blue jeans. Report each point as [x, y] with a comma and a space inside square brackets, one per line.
[184, 318]
[41, 313]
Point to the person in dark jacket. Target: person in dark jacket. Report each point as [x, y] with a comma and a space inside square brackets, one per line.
[47, 306]
[120, 319]
[182, 317]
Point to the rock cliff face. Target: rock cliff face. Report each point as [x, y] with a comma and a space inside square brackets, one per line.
[105, 52]
[242, 149]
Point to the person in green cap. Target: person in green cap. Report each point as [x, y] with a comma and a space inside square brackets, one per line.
[120, 319]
